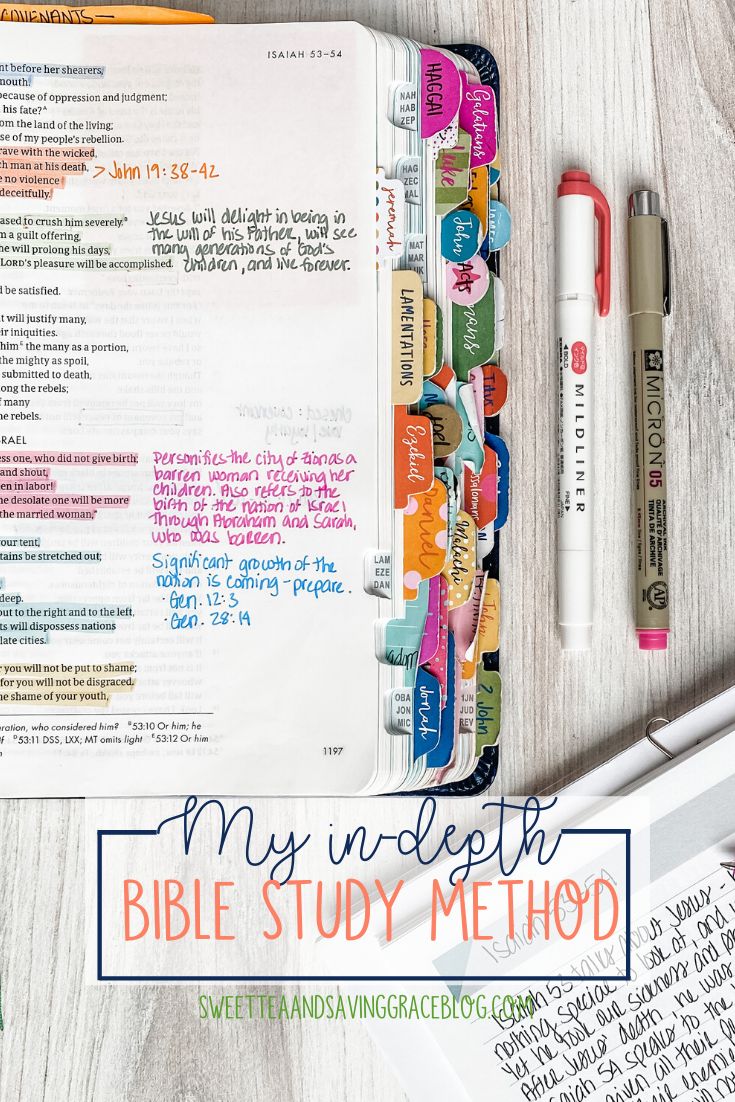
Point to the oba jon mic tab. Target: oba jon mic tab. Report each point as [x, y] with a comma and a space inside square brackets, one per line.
[582, 285]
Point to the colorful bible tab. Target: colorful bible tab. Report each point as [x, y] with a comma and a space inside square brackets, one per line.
[401, 647]
[445, 378]
[470, 448]
[431, 395]
[498, 290]
[481, 490]
[452, 175]
[446, 476]
[477, 116]
[478, 196]
[415, 255]
[499, 225]
[446, 428]
[405, 106]
[390, 217]
[408, 337]
[460, 235]
[441, 755]
[430, 638]
[413, 455]
[445, 139]
[464, 621]
[398, 711]
[408, 171]
[469, 666]
[462, 566]
[468, 693]
[488, 636]
[403, 636]
[501, 450]
[473, 333]
[477, 383]
[489, 695]
[440, 92]
[424, 537]
[426, 714]
[485, 541]
[495, 388]
[468, 281]
[378, 573]
[433, 338]
[437, 665]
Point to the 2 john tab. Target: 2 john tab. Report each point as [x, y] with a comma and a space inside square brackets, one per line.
[582, 284]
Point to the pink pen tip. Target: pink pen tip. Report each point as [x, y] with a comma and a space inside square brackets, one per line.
[652, 639]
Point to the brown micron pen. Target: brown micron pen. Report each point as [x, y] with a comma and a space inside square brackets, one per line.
[648, 263]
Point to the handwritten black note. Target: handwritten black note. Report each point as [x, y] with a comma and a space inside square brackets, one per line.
[668, 1034]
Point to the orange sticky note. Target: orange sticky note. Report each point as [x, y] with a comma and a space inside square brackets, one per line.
[59, 14]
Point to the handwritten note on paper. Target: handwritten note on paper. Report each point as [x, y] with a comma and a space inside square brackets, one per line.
[188, 416]
[251, 497]
[260, 239]
[668, 1034]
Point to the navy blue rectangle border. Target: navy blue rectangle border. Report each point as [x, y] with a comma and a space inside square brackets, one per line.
[103, 978]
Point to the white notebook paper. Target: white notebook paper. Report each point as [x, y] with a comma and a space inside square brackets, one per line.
[668, 1032]
[206, 269]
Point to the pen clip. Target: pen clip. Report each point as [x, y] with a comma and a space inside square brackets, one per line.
[578, 183]
[665, 267]
[602, 275]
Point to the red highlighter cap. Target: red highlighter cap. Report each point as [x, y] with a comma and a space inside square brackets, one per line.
[653, 638]
[578, 183]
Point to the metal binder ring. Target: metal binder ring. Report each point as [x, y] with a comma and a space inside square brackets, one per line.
[661, 721]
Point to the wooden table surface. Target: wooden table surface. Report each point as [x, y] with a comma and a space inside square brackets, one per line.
[640, 93]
